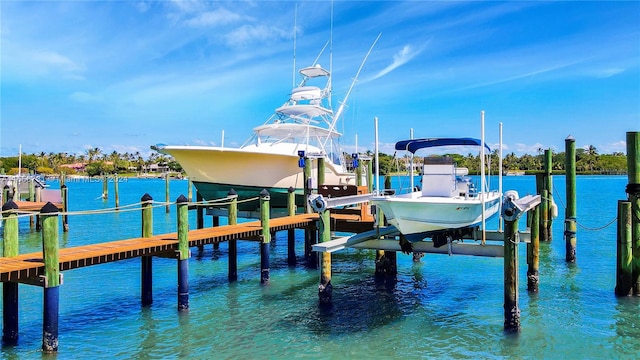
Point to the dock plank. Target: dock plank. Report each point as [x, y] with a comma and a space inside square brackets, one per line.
[27, 266]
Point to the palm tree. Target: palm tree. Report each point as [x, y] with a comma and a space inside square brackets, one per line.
[93, 154]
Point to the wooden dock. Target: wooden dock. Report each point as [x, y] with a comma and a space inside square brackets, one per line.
[26, 267]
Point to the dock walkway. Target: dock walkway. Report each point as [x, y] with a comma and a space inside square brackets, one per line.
[25, 266]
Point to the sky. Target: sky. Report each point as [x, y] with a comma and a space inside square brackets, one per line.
[125, 75]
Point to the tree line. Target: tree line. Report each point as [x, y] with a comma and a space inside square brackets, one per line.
[93, 162]
[588, 161]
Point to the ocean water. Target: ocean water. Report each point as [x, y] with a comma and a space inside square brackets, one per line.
[444, 307]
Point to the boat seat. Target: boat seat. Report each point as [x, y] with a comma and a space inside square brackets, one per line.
[439, 180]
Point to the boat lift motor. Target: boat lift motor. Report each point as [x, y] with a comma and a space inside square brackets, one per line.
[513, 207]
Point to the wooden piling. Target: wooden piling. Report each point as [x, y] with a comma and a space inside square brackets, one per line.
[370, 175]
[32, 190]
[548, 182]
[182, 210]
[115, 190]
[105, 187]
[624, 251]
[633, 190]
[291, 233]
[32, 197]
[570, 228]
[533, 251]
[51, 278]
[306, 174]
[147, 261]
[266, 236]
[64, 191]
[544, 217]
[190, 190]
[5, 194]
[511, 309]
[359, 173]
[199, 211]
[10, 289]
[321, 171]
[166, 193]
[232, 215]
[38, 199]
[325, 289]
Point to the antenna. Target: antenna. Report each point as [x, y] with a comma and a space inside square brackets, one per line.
[295, 32]
[331, 56]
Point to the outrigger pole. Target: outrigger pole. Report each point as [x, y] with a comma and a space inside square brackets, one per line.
[482, 187]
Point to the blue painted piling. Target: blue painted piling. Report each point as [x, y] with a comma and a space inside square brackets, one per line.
[183, 252]
[147, 261]
[266, 236]
[10, 289]
[291, 233]
[49, 214]
[232, 215]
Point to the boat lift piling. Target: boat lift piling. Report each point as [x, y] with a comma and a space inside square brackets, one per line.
[533, 251]
[570, 228]
[633, 191]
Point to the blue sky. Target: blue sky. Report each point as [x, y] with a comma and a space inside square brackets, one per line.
[124, 75]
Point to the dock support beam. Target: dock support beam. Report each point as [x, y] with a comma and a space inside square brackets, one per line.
[266, 236]
[325, 289]
[232, 214]
[147, 261]
[183, 252]
[51, 278]
[10, 289]
[291, 233]
[511, 309]
[570, 228]
[533, 251]
[633, 190]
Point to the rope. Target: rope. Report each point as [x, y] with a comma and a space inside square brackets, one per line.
[555, 190]
[598, 228]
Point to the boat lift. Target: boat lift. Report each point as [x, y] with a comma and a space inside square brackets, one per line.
[388, 238]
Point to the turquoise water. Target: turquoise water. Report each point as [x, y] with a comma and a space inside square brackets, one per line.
[441, 307]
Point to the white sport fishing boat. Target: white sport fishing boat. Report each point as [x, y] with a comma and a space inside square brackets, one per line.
[448, 205]
[304, 126]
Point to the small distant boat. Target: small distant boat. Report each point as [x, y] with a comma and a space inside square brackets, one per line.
[304, 126]
[514, 173]
[448, 205]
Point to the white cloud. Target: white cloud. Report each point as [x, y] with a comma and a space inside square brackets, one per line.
[213, 18]
[609, 72]
[400, 58]
[248, 33]
[618, 146]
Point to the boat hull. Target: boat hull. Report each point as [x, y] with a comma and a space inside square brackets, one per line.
[215, 171]
[420, 217]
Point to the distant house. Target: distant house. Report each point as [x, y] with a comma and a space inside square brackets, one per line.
[156, 168]
[79, 167]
